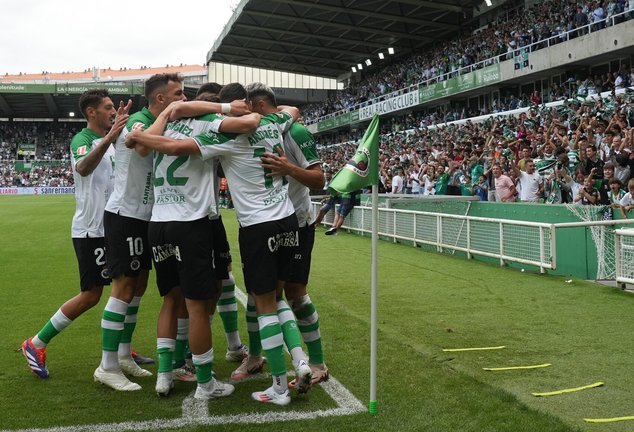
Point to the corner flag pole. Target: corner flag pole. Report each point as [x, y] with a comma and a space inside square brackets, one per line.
[373, 307]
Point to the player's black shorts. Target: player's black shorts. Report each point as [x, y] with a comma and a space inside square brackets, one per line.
[91, 256]
[267, 250]
[222, 254]
[183, 256]
[127, 247]
[300, 269]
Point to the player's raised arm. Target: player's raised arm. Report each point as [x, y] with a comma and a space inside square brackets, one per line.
[197, 108]
[162, 144]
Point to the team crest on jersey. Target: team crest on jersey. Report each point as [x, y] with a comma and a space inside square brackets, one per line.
[81, 150]
[135, 265]
[137, 125]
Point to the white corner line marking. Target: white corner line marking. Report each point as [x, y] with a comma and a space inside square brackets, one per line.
[196, 412]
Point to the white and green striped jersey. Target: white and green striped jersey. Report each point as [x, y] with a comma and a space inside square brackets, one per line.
[92, 191]
[300, 149]
[573, 160]
[184, 185]
[257, 197]
[133, 195]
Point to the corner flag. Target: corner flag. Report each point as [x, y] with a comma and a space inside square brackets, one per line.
[363, 169]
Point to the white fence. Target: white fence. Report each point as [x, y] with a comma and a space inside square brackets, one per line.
[529, 243]
[624, 251]
[524, 242]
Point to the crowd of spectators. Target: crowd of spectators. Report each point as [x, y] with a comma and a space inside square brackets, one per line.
[579, 152]
[542, 21]
[50, 166]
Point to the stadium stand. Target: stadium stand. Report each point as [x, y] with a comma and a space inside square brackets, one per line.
[537, 26]
[50, 163]
[557, 138]
[411, 139]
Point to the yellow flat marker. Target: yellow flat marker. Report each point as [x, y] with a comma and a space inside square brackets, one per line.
[471, 349]
[570, 390]
[609, 420]
[518, 367]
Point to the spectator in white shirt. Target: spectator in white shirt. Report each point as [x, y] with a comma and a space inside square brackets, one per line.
[398, 182]
[531, 183]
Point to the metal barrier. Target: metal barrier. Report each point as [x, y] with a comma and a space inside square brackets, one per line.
[531, 243]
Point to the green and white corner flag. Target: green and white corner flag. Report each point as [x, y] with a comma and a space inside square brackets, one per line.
[363, 169]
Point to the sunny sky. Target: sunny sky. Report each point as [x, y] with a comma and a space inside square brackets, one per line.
[73, 35]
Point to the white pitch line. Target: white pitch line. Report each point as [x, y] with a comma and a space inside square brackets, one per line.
[196, 413]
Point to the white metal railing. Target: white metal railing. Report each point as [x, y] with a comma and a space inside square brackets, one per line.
[542, 43]
[624, 255]
[531, 243]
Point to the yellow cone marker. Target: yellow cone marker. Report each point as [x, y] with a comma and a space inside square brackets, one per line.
[518, 367]
[473, 349]
[570, 390]
[609, 420]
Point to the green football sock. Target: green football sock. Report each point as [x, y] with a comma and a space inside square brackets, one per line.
[308, 324]
[272, 343]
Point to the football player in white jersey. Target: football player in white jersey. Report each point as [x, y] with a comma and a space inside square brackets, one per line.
[181, 238]
[126, 221]
[92, 158]
[302, 167]
[268, 234]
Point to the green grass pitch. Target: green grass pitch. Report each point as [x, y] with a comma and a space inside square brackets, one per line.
[427, 302]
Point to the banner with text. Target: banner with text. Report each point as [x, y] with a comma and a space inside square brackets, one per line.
[397, 103]
[473, 80]
[72, 88]
[39, 190]
[459, 84]
[339, 120]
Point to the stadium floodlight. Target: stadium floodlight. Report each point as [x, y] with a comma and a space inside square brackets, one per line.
[390, 51]
[359, 66]
[381, 56]
[354, 69]
[489, 3]
[71, 114]
[368, 62]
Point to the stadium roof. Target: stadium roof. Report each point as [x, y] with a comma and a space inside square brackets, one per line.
[327, 37]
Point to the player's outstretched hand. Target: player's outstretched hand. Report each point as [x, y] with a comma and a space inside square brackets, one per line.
[119, 122]
[171, 112]
[124, 109]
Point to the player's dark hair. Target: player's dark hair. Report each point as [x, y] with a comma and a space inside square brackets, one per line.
[156, 82]
[231, 92]
[207, 97]
[92, 98]
[258, 91]
[211, 87]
